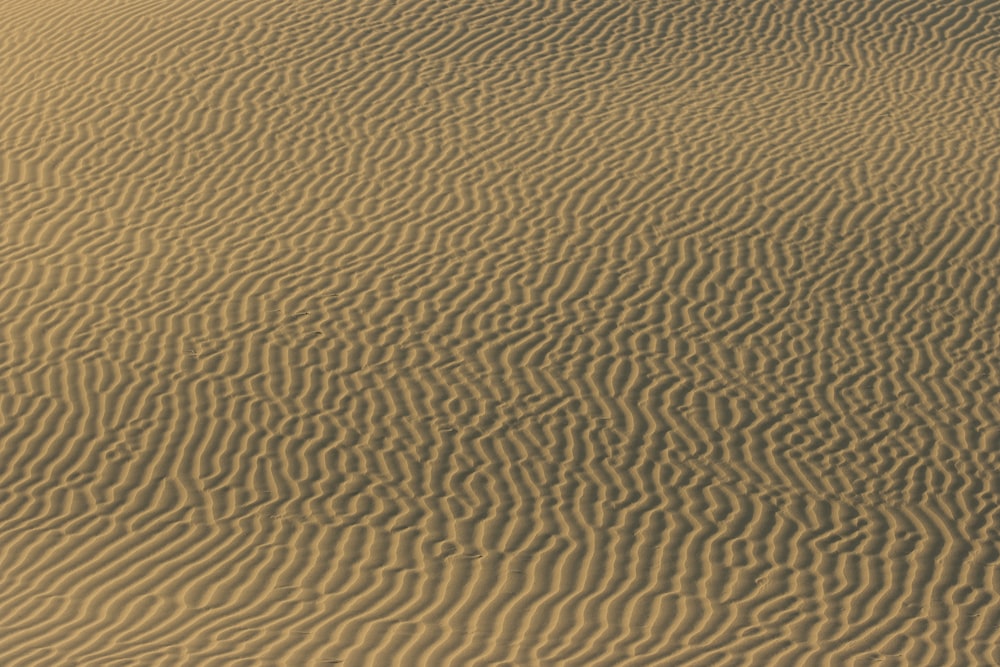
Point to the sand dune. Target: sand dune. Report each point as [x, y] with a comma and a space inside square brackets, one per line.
[499, 333]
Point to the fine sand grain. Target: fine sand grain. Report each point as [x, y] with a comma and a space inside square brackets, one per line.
[445, 333]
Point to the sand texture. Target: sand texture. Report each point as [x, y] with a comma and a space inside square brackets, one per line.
[499, 332]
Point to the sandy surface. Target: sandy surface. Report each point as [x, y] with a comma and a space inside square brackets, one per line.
[427, 332]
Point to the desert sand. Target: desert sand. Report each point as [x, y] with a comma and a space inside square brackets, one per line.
[446, 333]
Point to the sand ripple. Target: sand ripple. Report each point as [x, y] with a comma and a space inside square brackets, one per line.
[522, 333]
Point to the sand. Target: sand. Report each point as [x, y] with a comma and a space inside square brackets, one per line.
[426, 332]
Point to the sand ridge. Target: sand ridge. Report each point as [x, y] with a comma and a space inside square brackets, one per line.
[527, 333]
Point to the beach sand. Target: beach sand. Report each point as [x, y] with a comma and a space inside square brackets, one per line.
[402, 333]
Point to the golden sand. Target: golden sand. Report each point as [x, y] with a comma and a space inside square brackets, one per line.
[447, 333]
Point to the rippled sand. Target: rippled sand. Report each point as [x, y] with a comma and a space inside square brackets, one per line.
[614, 332]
